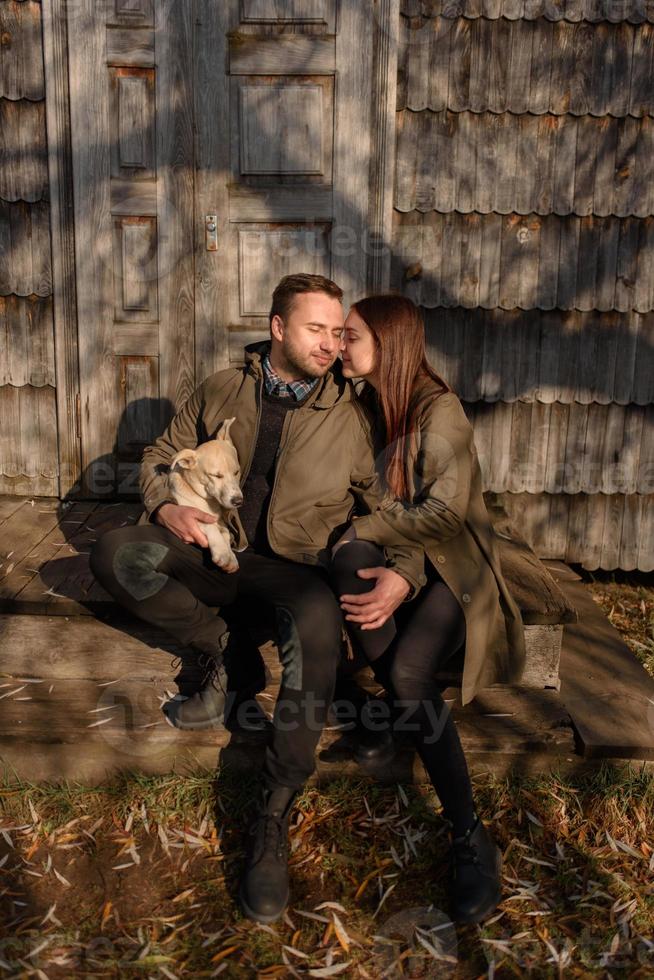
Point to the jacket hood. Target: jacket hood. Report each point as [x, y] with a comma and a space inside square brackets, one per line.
[332, 388]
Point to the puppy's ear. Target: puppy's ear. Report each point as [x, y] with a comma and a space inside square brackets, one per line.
[186, 459]
[223, 431]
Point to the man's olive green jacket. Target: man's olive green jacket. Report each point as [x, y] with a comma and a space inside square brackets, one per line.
[324, 470]
[448, 517]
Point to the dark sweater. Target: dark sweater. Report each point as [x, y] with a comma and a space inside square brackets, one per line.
[257, 488]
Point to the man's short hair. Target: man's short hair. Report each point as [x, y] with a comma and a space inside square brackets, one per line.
[303, 282]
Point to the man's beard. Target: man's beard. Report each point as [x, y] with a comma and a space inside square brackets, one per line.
[295, 363]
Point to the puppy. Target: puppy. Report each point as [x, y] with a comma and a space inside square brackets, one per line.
[208, 478]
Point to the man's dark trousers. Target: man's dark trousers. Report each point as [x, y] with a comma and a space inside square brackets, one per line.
[171, 584]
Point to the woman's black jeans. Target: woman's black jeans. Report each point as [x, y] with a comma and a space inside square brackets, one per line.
[405, 654]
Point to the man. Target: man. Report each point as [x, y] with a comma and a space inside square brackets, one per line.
[306, 463]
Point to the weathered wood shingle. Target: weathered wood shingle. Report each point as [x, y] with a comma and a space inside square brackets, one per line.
[526, 66]
[536, 448]
[466, 161]
[532, 261]
[25, 264]
[634, 11]
[21, 59]
[26, 341]
[597, 530]
[547, 356]
[28, 463]
[23, 151]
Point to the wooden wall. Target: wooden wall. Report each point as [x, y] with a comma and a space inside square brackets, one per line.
[28, 461]
[524, 228]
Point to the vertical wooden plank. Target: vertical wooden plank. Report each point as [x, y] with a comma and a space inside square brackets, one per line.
[503, 191]
[643, 387]
[565, 164]
[433, 285]
[607, 327]
[646, 551]
[575, 447]
[383, 146]
[641, 94]
[488, 160]
[489, 267]
[520, 41]
[526, 170]
[175, 197]
[645, 457]
[605, 166]
[546, 387]
[465, 164]
[644, 292]
[480, 60]
[585, 163]
[93, 241]
[211, 194]
[472, 361]
[607, 258]
[627, 264]
[460, 34]
[612, 532]
[625, 428]
[450, 271]
[470, 259]
[595, 519]
[440, 64]
[568, 261]
[590, 240]
[492, 370]
[628, 368]
[352, 152]
[625, 161]
[554, 476]
[542, 46]
[501, 454]
[518, 469]
[632, 506]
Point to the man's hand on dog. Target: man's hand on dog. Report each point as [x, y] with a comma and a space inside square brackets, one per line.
[183, 521]
[372, 609]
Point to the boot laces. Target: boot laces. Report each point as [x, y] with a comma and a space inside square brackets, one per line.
[269, 832]
[464, 851]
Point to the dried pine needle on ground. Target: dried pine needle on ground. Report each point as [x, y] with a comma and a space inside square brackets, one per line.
[140, 878]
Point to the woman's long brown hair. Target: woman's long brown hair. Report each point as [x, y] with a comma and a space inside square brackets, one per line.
[406, 379]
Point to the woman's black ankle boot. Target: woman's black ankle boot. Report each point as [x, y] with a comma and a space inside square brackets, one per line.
[476, 885]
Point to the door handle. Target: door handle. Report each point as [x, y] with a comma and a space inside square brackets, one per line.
[211, 232]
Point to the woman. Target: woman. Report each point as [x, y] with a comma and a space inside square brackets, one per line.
[429, 471]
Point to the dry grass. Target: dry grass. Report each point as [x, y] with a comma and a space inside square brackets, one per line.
[628, 601]
[139, 878]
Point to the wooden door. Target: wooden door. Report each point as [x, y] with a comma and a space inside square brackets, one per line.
[262, 113]
[285, 102]
[131, 104]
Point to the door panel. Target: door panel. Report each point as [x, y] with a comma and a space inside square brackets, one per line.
[295, 86]
[132, 142]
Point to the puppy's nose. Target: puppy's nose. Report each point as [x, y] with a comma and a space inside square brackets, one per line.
[237, 500]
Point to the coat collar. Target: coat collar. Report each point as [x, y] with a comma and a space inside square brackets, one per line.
[333, 387]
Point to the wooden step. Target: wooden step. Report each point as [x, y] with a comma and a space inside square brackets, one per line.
[78, 671]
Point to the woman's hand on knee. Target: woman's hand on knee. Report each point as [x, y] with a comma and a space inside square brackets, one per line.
[371, 610]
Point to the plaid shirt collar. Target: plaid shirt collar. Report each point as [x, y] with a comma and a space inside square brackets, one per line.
[286, 389]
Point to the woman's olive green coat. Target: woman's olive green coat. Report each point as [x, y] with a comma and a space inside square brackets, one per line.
[449, 518]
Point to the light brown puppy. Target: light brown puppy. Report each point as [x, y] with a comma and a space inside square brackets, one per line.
[208, 478]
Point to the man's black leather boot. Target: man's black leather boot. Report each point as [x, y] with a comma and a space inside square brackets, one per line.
[476, 887]
[206, 708]
[264, 889]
